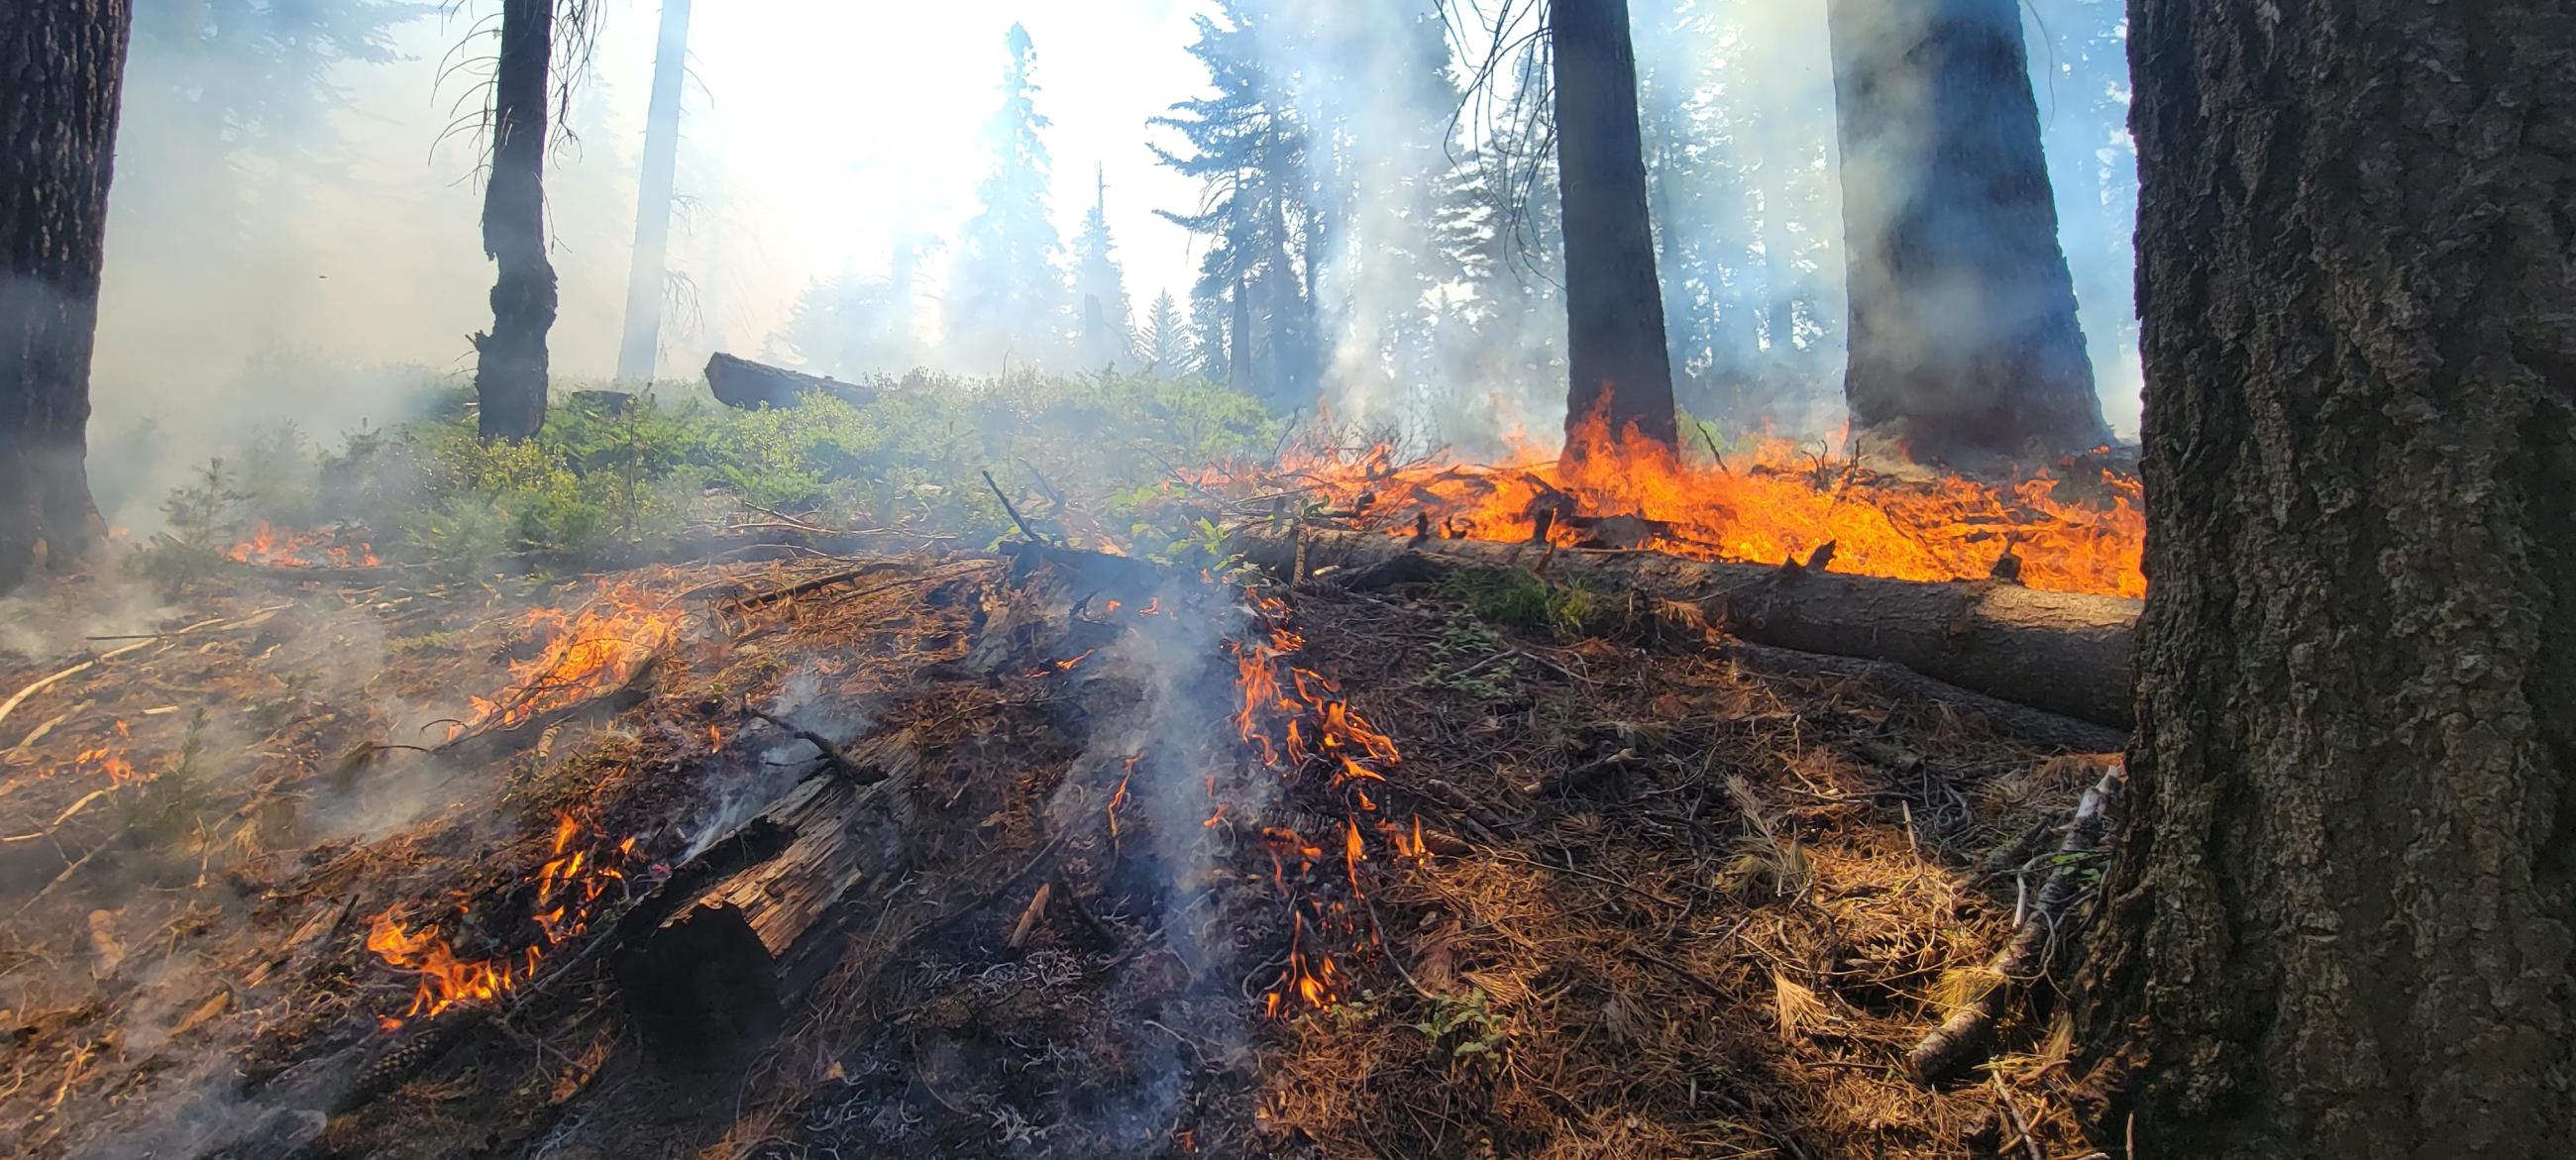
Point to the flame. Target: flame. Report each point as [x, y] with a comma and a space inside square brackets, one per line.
[569, 887]
[1298, 720]
[109, 760]
[270, 546]
[2077, 528]
[589, 651]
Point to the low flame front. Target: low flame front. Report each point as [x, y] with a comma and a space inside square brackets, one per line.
[2078, 528]
[1299, 722]
[274, 547]
[577, 875]
[588, 651]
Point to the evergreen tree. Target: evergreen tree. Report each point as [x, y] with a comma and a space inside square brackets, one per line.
[1007, 297]
[1163, 346]
[846, 326]
[1248, 146]
[1100, 288]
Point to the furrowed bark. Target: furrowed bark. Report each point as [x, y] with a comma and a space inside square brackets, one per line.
[66, 64]
[2063, 652]
[1620, 372]
[2342, 922]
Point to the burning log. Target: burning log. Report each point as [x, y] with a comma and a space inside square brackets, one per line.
[742, 383]
[2065, 653]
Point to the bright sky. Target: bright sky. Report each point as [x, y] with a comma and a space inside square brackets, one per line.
[818, 132]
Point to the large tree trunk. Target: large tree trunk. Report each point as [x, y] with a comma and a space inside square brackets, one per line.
[1619, 372]
[642, 346]
[66, 61]
[2343, 922]
[510, 374]
[2067, 653]
[1963, 337]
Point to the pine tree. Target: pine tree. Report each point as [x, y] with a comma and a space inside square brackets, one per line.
[1249, 147]
[1106, 334]
[1163, 346]
[1007, 298]
[846, 326]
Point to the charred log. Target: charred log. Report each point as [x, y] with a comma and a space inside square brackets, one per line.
[742, 383]
[2061, 652]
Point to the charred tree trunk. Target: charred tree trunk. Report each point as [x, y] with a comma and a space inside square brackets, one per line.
[2344, 922]
[510, 373]
[66, 59]
[642, 346]
[1619, 370]
[1963, 337]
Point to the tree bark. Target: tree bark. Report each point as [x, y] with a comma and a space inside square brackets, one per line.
[510, 372]
[2063, 652]
[1963, 338]
[2342, 923]
[65, 64]
[1620, 373]
[641, 349]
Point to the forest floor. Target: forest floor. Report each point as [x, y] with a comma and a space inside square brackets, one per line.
[276, 883]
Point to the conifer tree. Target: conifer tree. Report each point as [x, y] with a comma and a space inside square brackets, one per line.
[1007, 299]
[1105, 334]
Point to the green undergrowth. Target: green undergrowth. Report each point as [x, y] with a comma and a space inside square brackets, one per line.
[1531, 603]
[1087, 458]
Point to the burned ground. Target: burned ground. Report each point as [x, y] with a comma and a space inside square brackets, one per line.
[1619, 896]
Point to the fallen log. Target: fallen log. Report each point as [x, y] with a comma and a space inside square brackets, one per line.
[742, 383]
[2066, 653]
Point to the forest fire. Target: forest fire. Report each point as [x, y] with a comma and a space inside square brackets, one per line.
[588, 651]
[1305, 720]
[569, 887]
[2080, 528]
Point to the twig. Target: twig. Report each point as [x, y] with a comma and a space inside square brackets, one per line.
[1965, 1038]
[1013, 510]
[2019, 1124]
[833, 757]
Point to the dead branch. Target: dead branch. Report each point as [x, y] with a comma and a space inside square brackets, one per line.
[1967, 1036]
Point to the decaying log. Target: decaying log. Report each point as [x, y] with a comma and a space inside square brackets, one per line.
[740, 382]
[705, 982]
[1967, 1036]
[2066, 653]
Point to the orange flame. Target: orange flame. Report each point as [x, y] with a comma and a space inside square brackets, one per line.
[569, 887]
[589, 651]
[271, 547]
[2078, 528]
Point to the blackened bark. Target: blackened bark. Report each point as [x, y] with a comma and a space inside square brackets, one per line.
[1619, 370]
[641, 348]
[510, 376]
[62, 67]
[1963, 339]
[2345, 919]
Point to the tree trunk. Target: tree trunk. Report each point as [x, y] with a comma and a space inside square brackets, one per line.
[2067, 653]
[642, 347]
[510, 373]
[1619, 372]
[2342, 923]
[66, 59]
[1963, 336]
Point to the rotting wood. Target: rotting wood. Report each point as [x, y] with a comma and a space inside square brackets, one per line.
[2067, 653]
[1967, 1036]
[742, 383]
